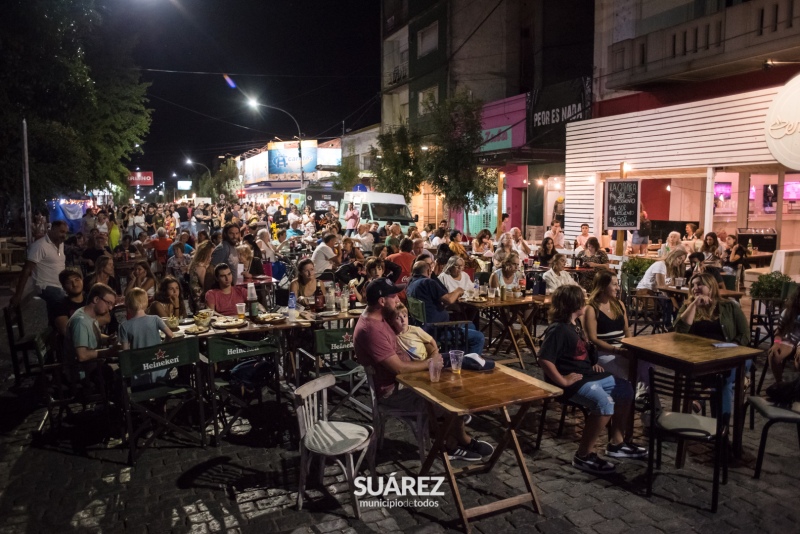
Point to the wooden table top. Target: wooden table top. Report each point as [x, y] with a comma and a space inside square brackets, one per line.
[473, 391]
[723, 293]
[528, 300]
[688, 351]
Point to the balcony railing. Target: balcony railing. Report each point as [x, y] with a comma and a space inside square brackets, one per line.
[728, 42]
[396, 75]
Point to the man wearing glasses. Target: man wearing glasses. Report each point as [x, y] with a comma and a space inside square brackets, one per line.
[83, 337]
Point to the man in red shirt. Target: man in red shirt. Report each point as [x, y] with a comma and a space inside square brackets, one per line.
[375, 343]
[225, 299]
[405, 259]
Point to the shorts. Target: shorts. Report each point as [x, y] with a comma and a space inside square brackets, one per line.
[637, 239]
[599, 396]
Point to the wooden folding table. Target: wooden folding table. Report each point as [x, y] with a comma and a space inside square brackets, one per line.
[473, 392]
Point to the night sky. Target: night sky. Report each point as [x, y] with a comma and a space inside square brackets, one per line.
[319, 60]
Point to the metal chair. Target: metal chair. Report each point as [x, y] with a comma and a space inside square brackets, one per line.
[333, 354]
[224, 396]
[565, 403]
[688, 426]
[328, 439]
[455, 332]
[773, 415]
[650, 311]
[417, 421]
[138, 401]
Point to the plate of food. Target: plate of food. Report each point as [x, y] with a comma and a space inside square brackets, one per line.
[228, 322]
[328, 314]
[474, 299]
[270, 318]
[194, 330]
[355, 311]
[186, 321]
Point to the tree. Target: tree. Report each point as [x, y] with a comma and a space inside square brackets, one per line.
[451, 164]
[398, 156]
[223, 182]
[348, 172]
[70, 75]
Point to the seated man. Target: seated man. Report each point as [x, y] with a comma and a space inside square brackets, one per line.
[435, 297]
[72, 283]
[224, 299]
[375, 343]
[83, 338]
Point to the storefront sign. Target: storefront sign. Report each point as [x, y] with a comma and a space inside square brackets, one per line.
[622, 205]
[496, 138]
[140, 178]
[255, 169]
[782, 126]
[552, 107]
[284, 160]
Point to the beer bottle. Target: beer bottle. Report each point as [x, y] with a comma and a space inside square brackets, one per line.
[319, 298]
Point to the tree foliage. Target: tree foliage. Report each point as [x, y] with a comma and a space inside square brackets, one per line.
[348, 172]
[451, 165]
[223, 182]
[67, 69]
[398, 156]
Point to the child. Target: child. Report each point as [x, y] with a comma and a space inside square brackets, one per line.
[413, 339]
[141, 331]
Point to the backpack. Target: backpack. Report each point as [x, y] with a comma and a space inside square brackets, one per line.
[644, 227]
[253, 374]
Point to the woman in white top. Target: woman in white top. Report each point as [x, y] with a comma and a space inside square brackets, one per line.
[557, 276]
[454, 276]
[508, 275]
[673, 243]
[657, 274]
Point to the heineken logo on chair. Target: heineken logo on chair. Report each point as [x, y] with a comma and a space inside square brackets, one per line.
[161, 361]
[240, 351]
[334, 340]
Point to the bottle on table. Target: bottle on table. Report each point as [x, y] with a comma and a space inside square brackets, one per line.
[319, 298]
[292, 306]
[749, 246]
[252, 300]
[352, 299]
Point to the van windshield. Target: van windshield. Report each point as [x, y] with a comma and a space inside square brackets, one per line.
[391, 212]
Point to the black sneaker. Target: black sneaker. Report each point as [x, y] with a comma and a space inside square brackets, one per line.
[626, 450]
[593, 464]
[480, 447]
[463, 452]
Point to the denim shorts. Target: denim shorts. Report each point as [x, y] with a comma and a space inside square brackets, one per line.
[637, 239]
[599, 396]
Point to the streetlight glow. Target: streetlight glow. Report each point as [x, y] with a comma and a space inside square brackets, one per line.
[253, 103]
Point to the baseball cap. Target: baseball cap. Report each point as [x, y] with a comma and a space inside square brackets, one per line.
[382, 287]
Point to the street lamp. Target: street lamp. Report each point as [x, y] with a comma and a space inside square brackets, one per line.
[253, 103]
[190, 162]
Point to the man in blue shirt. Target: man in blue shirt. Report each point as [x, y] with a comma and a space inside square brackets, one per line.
[435, 297]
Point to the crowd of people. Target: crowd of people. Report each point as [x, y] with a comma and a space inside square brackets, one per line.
[182, 258]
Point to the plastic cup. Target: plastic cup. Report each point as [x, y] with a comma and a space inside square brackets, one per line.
[435, 370]
[679, 282]
[492, 292]
[240, 306]
[456, 357]
[484, 290]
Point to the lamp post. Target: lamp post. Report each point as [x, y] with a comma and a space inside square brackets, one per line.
[253, 103]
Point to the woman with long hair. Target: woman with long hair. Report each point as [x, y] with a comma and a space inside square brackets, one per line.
[349, 251]
[508, 275]
[787, 337]
[672, 266]
[201, 278]
[735, 255]
[251, 266]
[103, 274]
[710, 248]
[168, 299]
[707, 315]
[456, 246]
[453, 275]
[567, 362]
[591, 256]
[305, 284]
[546, 251]
[443, 254]
[143, 278]
[482, 242]
[373, 268]
[505, 246]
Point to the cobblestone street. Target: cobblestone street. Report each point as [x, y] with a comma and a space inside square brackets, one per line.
[249, 483]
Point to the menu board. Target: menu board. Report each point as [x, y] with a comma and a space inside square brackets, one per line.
[621, 205]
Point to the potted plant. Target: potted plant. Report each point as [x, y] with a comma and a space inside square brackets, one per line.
[769, 286]
[632, 272]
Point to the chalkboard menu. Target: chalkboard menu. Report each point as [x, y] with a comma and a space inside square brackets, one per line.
[621, 205]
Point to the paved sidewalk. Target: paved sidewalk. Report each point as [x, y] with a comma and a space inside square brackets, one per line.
[248, 484]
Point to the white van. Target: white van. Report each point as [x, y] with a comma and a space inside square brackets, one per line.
[378, 207]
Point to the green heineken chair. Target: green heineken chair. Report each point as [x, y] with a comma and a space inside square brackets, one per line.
[230, 397]
[334, 354]
[448, 334]
[143, 401]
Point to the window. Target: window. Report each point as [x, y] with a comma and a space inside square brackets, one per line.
[430, 94]
[428, 39]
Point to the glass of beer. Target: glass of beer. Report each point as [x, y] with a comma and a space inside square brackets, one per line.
[240, 306]
[456, 357]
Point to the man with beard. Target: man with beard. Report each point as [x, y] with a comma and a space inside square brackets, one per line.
[375, 343]
[72, 283]
[225, 252]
